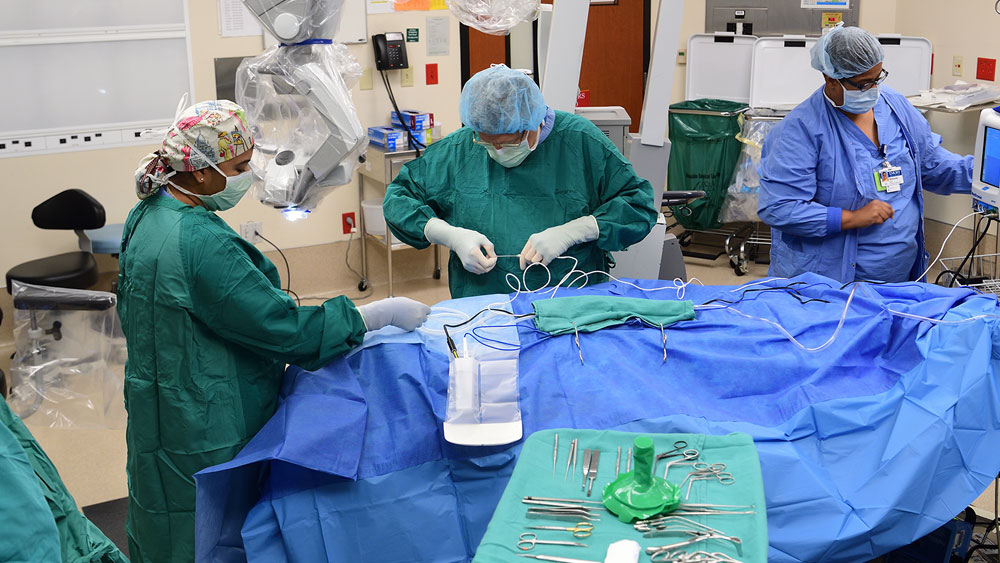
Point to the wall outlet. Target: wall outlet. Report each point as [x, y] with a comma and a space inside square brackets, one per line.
[406, 77]
[366, 79]
[432, 74]
[350, 222]
[986, 69]
[956, 65]
[682, 58]
[250, 230]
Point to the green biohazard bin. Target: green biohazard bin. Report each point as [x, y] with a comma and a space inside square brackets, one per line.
[703, 155]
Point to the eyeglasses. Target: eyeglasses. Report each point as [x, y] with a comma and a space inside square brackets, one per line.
[478, 141]
[865, 86]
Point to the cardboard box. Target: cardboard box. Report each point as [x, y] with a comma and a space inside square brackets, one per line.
[388, 138]
[414, 119]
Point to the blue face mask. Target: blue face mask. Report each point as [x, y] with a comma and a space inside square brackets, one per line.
[856, 101]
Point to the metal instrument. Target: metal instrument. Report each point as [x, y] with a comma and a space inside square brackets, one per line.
[580, 530]
[688, 457]
[556, 559]
[555, 455]
[572, 457]
[595, 458]
[568, 514]
[528, 540]
[618, 462]
[573, 500]
[705, 472]
[586, 468]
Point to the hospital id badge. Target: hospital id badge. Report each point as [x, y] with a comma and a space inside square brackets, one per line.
[889, 179]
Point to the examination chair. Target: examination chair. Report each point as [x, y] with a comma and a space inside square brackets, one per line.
[74, 210]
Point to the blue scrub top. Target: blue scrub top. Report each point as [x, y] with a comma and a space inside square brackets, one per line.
[888, 251]
[816, 163]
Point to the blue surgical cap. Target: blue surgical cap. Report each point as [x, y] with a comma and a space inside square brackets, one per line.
[845, 52]
[500, 100]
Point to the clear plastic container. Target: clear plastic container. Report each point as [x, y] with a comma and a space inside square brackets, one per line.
[483, 400]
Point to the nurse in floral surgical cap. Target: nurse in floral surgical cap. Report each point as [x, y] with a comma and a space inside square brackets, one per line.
[209, 329]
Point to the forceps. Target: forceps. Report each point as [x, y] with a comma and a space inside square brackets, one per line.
[581, 530]
[688, 457]
[527, 541]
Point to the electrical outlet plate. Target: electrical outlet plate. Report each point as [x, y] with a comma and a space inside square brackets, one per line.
[250, 229]
[406, 77]
[349, 226]
[956, 65]
[432, 73]
[366, 79]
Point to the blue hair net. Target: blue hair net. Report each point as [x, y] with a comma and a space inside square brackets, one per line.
[845, 52]
[500, 100]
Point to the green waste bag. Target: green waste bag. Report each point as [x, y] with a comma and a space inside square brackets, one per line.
[703, 155]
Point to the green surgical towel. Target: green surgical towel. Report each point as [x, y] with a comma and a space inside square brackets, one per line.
[589, 313]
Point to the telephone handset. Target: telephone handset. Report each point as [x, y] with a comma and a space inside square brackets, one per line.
[390, 51]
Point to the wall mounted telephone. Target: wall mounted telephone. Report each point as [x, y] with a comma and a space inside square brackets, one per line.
[390, 51]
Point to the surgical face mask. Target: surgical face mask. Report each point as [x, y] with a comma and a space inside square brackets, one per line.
[510, 157]
[236, 188]
[856, 101]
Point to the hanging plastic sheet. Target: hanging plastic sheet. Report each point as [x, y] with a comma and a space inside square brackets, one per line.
[865, 446]
[68, 371]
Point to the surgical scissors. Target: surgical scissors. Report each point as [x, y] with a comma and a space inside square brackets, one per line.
[528, 540]
[581, 530]
[557, 559]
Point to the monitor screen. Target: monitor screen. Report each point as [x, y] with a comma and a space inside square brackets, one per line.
[991, 158]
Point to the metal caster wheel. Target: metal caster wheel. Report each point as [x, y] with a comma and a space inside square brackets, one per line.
[437, 273]
[684, 239]
[362, 285]
[740, 267]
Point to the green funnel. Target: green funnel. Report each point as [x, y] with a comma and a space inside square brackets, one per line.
[639, 494]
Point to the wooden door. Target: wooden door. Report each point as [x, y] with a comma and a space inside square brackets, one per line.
[480, 50]
[615, 54]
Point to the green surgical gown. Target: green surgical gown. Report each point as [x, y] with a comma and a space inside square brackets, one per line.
[39, 520]
[209, 332]
[574, 172]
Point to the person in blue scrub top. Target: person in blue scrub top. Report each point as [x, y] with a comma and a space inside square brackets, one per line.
[842, 175]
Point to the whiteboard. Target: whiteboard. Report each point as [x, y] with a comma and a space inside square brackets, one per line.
[37, 15]
[87, 65]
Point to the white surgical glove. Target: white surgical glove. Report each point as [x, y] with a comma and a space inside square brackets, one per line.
[472, 247]
[545, 246]
[403, 312]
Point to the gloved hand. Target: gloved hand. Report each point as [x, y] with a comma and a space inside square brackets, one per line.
[545, 246]
[472, 247]
[403, 312]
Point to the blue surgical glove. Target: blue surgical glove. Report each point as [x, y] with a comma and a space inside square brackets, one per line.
[545, 246]
[405, 313]
[472, 247]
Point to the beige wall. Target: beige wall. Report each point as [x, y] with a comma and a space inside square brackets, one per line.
[107, 174]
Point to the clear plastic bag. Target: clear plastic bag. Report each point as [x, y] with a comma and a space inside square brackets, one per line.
[483, 400]
[307, 134]
[740, 204]
[294, 21]
[68, 371]
[495, 17]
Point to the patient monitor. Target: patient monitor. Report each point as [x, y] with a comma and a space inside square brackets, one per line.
[986, 171]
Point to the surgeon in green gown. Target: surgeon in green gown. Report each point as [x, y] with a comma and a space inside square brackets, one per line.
[209, 330]
[519, 184]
